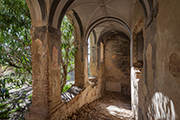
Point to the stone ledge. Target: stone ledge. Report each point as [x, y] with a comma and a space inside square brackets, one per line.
[70, 94]
[92, 81]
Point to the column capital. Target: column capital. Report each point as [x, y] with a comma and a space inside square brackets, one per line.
[79, 43]
[38, 29]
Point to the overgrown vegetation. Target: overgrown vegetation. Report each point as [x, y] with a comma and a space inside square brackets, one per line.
[15, 58]
[16, 105]
[15, 41]
[68, 50]
[66, 87]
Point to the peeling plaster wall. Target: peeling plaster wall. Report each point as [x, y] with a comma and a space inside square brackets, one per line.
[117, 64]
[136, 68]
[45, 66]
[159, 91]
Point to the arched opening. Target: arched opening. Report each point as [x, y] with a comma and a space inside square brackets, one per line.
[67, 55]
[113, 72]
[116, 18]
[117, 62]
[70, 85]
[92, 58]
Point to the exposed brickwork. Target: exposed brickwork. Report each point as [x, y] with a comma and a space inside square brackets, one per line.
[159, 81]
[117, 61]
[46, 71]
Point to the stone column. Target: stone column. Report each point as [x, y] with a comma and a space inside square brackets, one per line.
[101, 52]
[93, 55]
[46, 48]
[79, 63]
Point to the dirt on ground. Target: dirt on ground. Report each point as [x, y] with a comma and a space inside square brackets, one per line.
[112, 106]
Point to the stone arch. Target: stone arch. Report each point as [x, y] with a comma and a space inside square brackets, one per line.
[78, 37]
[38, 10]
[103, 33]
[58, 9]
[57, 12]
[147, 6]
[78, 22]
[90, 30]
[117, 61]
[102, 20]
[100, 39]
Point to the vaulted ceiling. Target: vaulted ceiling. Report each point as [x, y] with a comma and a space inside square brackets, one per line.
[100, 15]
[91, 10]
[89, 15]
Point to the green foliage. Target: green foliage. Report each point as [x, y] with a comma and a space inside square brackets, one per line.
[4, 111]
[66, 87]
[15, 36]
[15, 44]
[8, 82]
[68, 77]
[68, 50]
[30, 96]
[67, 44]
[14, 107]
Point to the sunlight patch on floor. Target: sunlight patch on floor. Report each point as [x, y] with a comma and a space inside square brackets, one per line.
[116, 111]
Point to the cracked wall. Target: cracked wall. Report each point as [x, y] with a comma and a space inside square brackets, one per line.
[158, 86]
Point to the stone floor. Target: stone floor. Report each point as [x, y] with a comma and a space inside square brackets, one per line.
[112, 106]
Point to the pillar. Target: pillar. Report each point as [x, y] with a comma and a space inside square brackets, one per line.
[79, 63]
[46, 48]
[93, 55]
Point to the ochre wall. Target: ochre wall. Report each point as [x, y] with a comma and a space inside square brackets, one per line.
[159, 91]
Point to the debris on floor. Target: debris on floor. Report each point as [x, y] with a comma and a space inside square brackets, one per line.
[112, 106]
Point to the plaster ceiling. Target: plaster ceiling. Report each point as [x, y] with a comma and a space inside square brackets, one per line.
[90, 10]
